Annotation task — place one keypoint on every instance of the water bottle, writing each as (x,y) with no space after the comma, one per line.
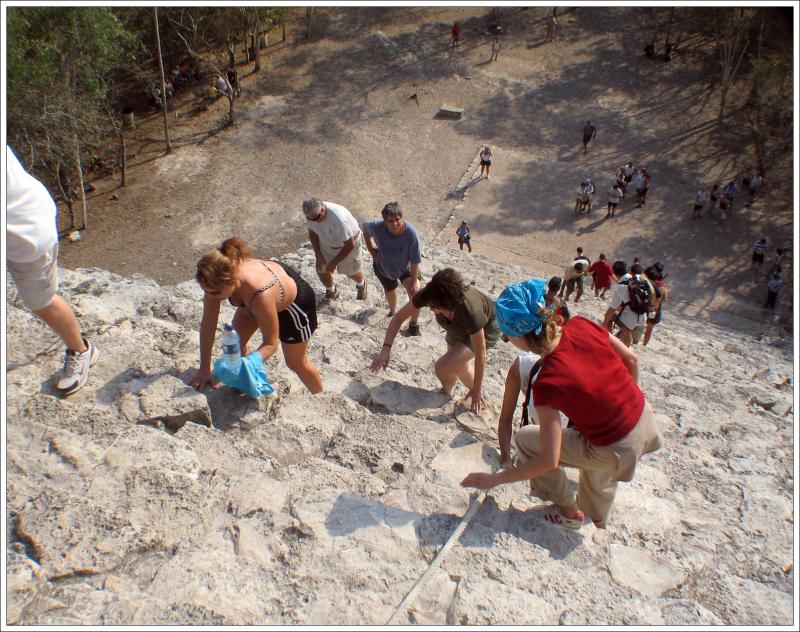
(231,350)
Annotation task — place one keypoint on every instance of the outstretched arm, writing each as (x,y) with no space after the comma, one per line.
(478,340)
(381,360)
(545,461)
(208,328)
(504,423)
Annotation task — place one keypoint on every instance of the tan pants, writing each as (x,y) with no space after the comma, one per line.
(601,467)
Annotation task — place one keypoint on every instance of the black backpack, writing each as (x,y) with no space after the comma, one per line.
(640,295)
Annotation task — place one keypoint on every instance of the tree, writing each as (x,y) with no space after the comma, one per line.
(203,32)
(59,64)
(770,102)
(732,32)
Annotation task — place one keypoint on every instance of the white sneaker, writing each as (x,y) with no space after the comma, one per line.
(76,369)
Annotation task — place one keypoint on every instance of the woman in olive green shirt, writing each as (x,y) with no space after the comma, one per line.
(467,315)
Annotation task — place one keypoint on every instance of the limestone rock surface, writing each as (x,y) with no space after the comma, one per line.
(139,501)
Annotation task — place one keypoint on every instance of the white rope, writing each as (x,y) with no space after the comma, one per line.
(471,511)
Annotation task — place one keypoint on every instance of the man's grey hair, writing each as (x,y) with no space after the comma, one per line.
(312,207)
(392,209)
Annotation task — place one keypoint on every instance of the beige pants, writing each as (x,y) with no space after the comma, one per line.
(601,467)
(37,281)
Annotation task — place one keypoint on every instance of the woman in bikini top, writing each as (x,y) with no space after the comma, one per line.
(283,316)
(275,281)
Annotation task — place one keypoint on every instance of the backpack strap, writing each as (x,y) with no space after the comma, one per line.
(528,394)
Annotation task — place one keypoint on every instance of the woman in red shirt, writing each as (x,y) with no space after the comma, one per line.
(591,377)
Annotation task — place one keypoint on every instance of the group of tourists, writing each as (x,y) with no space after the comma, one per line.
(627,176)
(773,278)
(724,197)
(638,294)
(583,373)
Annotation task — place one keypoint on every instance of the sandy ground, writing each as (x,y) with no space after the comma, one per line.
(333,117)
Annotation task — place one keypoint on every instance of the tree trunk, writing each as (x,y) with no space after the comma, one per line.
(231,112)
(163,82)
(309,15)
(256,51)
(63,184)
(231,54)
(123,159)
(79,171)
(669,28)
(283,28)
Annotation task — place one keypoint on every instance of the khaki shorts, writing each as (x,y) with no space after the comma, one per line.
(351,264)
(37,281)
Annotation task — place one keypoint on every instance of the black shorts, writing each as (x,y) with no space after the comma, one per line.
(486,163)
(758,257)
(586,138)
(463,240)
(698,207)
(298,322)
(391,284)
(612,205)
(627,179)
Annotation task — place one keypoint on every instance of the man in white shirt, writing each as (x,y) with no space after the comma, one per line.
(631,325)
(336,239)
(31,254)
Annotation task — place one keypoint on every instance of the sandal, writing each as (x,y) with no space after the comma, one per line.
(555,516)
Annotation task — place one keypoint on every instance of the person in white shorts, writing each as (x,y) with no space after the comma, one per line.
(31,255)
(336,239)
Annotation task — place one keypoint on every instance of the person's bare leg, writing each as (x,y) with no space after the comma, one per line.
(297,360)
(407,286)
(647,331)
(453,365)
(358,277)
(326,278)
(391,299)
(58,315)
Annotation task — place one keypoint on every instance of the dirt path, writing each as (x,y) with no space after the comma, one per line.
(333,118)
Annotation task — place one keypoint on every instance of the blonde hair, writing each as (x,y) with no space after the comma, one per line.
(548,338)
(218,268)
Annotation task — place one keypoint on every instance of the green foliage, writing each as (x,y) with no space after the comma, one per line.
(60,61)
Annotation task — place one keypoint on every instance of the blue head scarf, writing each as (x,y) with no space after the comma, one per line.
(518,306)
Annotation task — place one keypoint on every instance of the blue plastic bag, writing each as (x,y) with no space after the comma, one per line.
(251,379)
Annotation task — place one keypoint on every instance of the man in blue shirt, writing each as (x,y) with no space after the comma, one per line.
(395,249)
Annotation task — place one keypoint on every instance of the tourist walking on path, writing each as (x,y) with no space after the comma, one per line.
(655,274)
(602,273)
(486,161)
(464,235)
(573,276)
(456,34)
(614,195)
(269,296)
(552,27)
(641,182)
(589,132)
(336,240)
(759,250)
(773,287)
(495,48)
(629,312)
(396,255)
(467,316)
(699,203)
(32,261)
(590,377)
